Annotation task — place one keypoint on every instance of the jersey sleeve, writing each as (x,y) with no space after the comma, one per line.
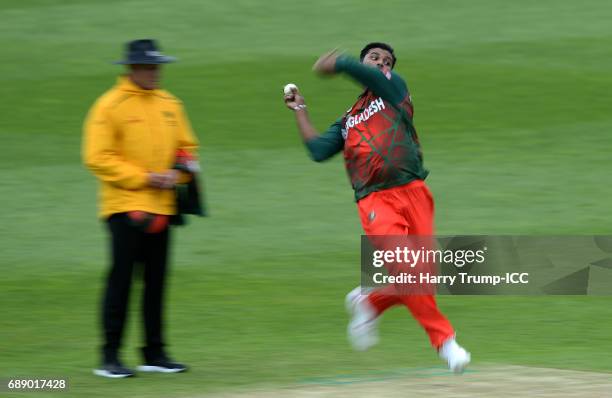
(328,143)
(392,89)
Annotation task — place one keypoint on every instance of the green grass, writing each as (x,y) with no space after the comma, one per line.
(512,107)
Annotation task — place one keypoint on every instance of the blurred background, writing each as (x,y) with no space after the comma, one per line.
(512,104)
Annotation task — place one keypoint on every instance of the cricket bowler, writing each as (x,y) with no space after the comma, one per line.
(384,162)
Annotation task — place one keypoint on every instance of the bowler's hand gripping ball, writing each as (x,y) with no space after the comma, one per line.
(290,89)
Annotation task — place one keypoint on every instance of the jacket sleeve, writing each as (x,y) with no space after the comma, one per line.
(100,154)
(327,144)
(392,88)
(187,141)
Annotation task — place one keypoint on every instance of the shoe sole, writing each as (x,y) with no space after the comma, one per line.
(106,373)
(159,369)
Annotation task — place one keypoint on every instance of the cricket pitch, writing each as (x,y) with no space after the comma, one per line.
(484,381)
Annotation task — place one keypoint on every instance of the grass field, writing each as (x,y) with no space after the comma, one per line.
(513,110)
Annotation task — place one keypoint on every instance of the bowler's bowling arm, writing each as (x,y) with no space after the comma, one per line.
(320,146)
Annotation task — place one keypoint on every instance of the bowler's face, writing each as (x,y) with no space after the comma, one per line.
(379,58)
(146,76)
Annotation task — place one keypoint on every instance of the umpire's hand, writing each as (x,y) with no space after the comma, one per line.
(165,180)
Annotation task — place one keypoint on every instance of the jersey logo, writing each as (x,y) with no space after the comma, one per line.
(375,106)
(170,120)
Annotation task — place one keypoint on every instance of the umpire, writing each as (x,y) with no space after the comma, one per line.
(135,137)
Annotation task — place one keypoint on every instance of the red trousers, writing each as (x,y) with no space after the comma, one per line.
(405,210)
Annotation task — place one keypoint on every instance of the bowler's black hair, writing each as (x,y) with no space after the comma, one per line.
(384,46)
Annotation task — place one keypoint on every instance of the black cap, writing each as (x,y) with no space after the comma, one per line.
(144,52)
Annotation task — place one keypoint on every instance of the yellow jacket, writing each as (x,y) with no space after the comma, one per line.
(128,133)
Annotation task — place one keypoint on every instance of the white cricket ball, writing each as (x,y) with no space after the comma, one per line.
(290,89)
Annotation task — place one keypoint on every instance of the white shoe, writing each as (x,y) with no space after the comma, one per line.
(363,325)
(455,356)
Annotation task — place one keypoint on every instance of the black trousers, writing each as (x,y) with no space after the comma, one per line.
(129,246)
